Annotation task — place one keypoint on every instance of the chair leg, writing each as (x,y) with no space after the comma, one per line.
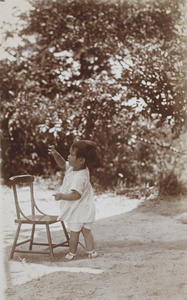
(50,242)
(15,241)
(32,237)
(65,231)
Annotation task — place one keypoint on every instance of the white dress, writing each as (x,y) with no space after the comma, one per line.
(82,210)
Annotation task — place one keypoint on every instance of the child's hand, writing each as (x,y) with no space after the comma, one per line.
(58,196)
(51,150)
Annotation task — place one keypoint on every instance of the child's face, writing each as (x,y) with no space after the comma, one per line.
(74,162)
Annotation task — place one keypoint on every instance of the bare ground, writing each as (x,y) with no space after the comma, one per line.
(142,253)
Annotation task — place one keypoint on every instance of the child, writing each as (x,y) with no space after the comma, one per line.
(76,197)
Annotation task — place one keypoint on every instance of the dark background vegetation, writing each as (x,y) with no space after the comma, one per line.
(62,85)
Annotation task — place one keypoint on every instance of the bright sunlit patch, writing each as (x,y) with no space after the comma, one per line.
(9,12)
(22,272)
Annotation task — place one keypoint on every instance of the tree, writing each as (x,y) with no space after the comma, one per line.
(63,82)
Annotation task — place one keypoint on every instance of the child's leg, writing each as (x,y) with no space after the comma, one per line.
(73,241)
(89,240)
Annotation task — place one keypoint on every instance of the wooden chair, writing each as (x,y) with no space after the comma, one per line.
(37,217)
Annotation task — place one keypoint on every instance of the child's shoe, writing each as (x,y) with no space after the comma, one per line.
(92,254)
(70,256)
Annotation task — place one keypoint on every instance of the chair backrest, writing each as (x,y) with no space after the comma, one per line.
(28,180)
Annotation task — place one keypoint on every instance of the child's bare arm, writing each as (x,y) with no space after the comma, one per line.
(74,195)
(58,158)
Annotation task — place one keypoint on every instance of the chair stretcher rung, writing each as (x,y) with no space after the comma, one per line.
(40,244)
(31,251)
(24,242)
(64,244)
(53,245)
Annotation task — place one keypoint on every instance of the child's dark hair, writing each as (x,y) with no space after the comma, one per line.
(86,149)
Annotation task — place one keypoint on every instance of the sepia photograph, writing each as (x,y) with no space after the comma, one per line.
(93,139)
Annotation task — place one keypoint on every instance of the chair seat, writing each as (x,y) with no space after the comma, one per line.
(38,219)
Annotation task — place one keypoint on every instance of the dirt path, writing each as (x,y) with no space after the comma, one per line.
(142,255)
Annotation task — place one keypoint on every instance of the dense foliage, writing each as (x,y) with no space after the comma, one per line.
(113,72)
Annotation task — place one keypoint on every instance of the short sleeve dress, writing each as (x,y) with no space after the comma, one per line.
(82,210)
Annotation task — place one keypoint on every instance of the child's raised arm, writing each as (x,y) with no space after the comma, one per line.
(58,158)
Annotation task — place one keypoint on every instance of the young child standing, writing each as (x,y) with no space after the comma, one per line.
(76,199)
